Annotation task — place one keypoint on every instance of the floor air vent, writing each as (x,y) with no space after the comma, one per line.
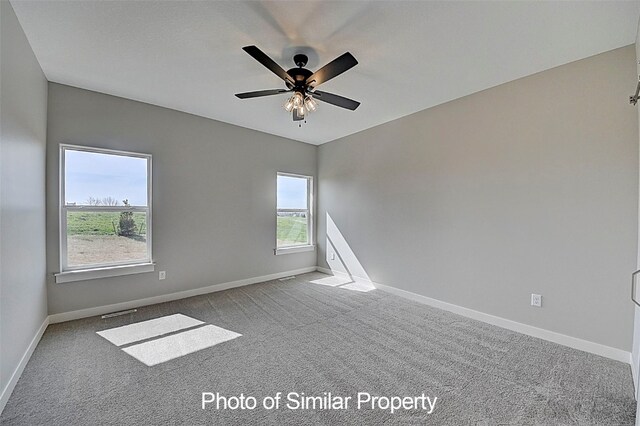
(292,277)
(117,314)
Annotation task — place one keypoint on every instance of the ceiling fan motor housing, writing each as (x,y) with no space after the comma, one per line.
(300,76)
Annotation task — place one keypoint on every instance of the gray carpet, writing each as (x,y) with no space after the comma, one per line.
(304,337)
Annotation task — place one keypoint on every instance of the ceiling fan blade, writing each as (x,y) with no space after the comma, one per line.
(332,69)
(259,93)
(297,117)
(262,57)
(336,100)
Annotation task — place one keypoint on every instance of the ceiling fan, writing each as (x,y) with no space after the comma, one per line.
(303,82)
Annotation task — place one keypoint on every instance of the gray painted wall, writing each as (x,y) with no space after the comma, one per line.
(23,106)
(214,187)
(528,187)
(636,320)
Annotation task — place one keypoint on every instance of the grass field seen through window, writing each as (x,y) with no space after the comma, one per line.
(292,230)
(101,223)
(92,239)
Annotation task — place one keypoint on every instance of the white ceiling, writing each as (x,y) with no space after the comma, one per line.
(187,55)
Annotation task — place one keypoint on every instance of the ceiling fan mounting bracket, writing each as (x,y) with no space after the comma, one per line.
(300,60)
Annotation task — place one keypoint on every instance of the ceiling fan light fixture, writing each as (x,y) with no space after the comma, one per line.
(298,100)
(288,106)
(310,104)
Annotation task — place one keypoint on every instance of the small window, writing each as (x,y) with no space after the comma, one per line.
(105,208)
(294,213)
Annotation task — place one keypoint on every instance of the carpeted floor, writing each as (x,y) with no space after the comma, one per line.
(300,336)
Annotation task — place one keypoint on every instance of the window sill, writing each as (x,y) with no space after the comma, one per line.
(109,271)
(294,249)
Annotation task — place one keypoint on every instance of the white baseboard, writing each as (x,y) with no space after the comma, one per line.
(101,310)
(551,336)
(8,389)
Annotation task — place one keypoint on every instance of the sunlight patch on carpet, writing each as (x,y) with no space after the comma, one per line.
(345,282)
(167,348)
(363,286)
(126,334)
(333,281)
(162,339)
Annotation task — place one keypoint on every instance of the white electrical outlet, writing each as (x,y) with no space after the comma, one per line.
(536,300)
(333,256)
(162,275)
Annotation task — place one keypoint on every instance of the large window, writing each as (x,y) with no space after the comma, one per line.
(105,208)
(294,215)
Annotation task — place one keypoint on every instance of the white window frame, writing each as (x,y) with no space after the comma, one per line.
(101,270)
(310,245)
